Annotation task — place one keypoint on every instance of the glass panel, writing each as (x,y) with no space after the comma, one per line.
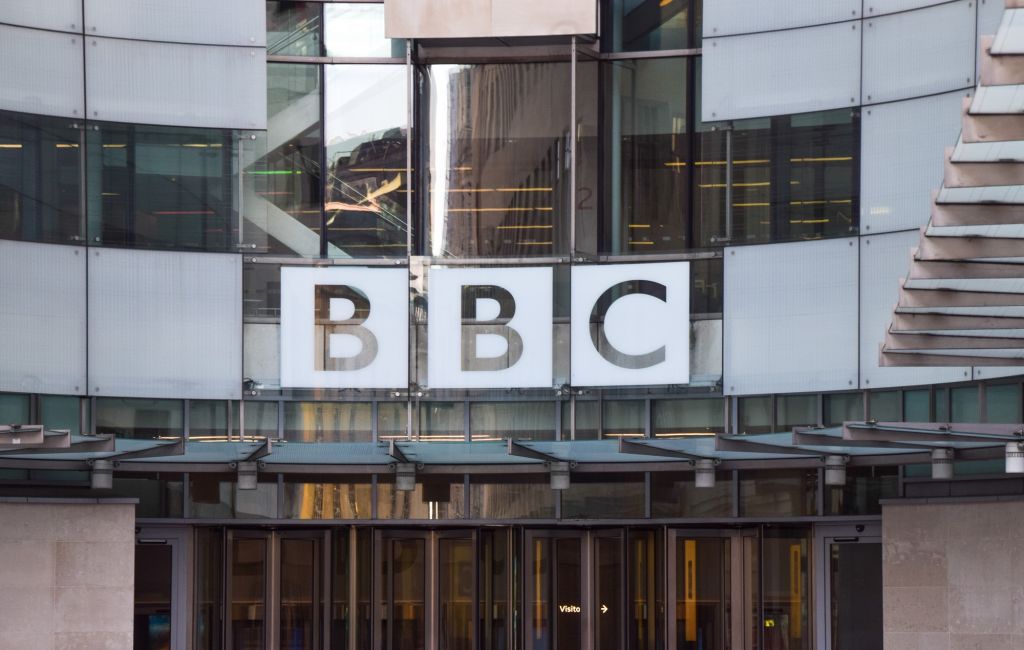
(856,608)
(755,414)
(916,405)
(964,404)
(623,419)
(885,406)
(787,595)
(340,600)
(495,585)
(607,496)
(328,500)
(209,563)
(711,175)
(942,405)
(442,421)
(139,418)
(159,495)
(796,410)
(260,419)
(392,420)
(778,493)
(640,25)
(588,420)
(328,422)
(498,180)
(795,177)
(843,407)
(248,589)
(299,606)
(510,497)
(364,585)
(517,420)
(14,409)
(60,412)
(293,28)
(673,495)
(646,606)
(153,564)
(365,128)
(680,418)
(864,487)
(568,574)
(162,187)
(213,497)
(441,500)
(208,420)
(702,583)
(648,156)
(40,179)
(357,30)
(404,579)
(456,594)
(1002,403)
(608,577)
(706,287)
(540,603)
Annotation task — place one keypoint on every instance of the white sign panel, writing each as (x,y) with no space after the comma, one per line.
(344,328)
(489,328)
(631,324)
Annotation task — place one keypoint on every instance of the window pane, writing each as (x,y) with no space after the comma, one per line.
(293,28)
(139,418)
(14,409)
(915,406)
(442,421)
(884,406)
(1002,403)
(648,157)
(423,502)
(60,412)
(260,419)
(516,420)
(588,420)
(508,497)
(498,181)
(160,496)
(213,496)
(327,500)
(786,588)
(327,422)
(706,286)
(357,30)
(40,162)
(778,493)
(794,177)
(796,410)
(162,187)
(607,496)
(676,418)
(637,25)
(843,407)
(208,420)
(964,404)
(864,487)
(674,495)
(623,419)
(755,414)
(392,420)
(365,127)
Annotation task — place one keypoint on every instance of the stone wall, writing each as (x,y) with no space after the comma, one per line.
(953,575)
(67,574)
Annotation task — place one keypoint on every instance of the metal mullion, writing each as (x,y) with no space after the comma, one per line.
(272,592)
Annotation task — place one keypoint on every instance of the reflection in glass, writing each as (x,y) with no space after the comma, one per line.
(498,175)
(856,596)
(40,179)
(248,591)
(328,422)
(293,28)
(153,574)
(641,25)
(648,156)
(327,500)
(14,408)
(495,588)
(796,410)
(755,414)
(778,492)
(917,405)
(706,286)
(623,418)
(438,501)
(209,592)
(786,589)
(1002,403)
(260,419)
(681,418)
(365,128)
(516,420)
(403,625)
(442,421)
(863,488)
(299,606)
(884,406)
(139,418)
(160,495)
(456,593)
(208,420)
(646,590)
(606,496)
(588,419)
(340,616)
(963,404)
(162,187)
(510,497)
(702,583)
(843,407)
(59,412)
(357,30)
(674,495)
(608,590)
(212,497)
(392,420)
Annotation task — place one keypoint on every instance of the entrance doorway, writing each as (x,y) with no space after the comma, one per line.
(849,572)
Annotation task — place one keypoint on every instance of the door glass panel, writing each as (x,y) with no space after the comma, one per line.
(856,608)
(494,589)
(339,591)
(568,594)
(702,593)
(539,588)
(298,607)
(403,626)
(786,590)
(645,590)
(248,582)
(153,596)
(456,602)
(608,576)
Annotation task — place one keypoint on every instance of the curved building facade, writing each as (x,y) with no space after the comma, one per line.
(489,325)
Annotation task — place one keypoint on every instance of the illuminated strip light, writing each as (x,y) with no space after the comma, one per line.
(822,202)
(639,225)
(353,229)
(500,209)
(62,145)
(275,193)
(641,243)
(549,227)
(716,185)
(272,172)
(182,212)
(114,146)
(809,220)
(535,243)
(504,189)
(374,245)
(750,205)
(707,163)
(109,194)
(10,146)
(822,159)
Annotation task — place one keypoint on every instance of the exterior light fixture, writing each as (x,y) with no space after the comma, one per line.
(405,477)
(942,464)
(1015,458)
(835,470)
(704,473)
(559,475)
(102,475)
(247,475)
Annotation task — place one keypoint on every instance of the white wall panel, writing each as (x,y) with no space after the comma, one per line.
(217,22)
(165,324)
(902,149)
(60,15)
(920,52)
(42,318)
(880,7)
(884,260)
(41,72)
(178,85)
(725,17)
(791,71)
(790,317)
(990,14)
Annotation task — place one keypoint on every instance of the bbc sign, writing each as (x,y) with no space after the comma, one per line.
(348,327)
